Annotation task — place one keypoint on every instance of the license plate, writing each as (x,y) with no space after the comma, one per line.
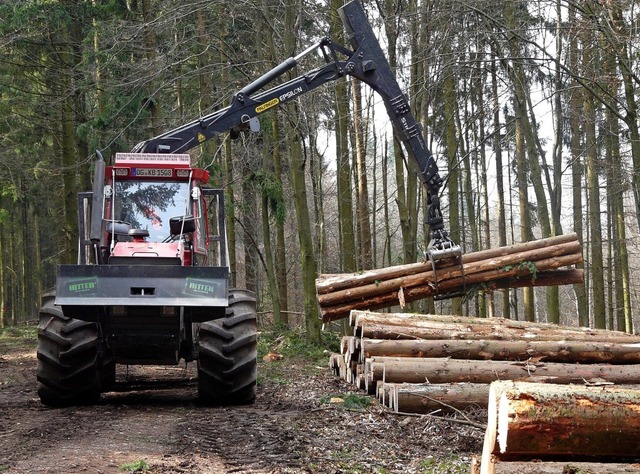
(159,172)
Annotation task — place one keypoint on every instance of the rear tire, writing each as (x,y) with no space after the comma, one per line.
(68,362)
(227,354)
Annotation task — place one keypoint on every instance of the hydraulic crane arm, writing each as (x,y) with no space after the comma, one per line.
(365,61)
(248,103)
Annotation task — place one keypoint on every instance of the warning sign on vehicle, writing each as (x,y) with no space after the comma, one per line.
(153,158)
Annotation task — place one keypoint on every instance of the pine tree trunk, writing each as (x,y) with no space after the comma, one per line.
(451,147)
(497,132)
(346,231)
(576,163)
(593,196)
(364,224)
(386,256)
(631,119)
(229,197)
(4,261)
(523,171)
(299,191)
(281,250)
(249,234)
(69,178)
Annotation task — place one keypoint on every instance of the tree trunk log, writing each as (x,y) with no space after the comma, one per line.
(530,264)
(438,370)
(382,285)
(330,283)
(430,398)
(356,319)
(547,351)
(433,330)
(539,467)
(547,421)
(455,282)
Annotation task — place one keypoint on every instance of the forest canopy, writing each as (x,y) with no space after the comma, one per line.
(530,107)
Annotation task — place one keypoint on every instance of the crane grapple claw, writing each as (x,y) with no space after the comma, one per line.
(449,250)
(440,251)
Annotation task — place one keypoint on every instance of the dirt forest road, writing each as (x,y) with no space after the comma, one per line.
(152,423)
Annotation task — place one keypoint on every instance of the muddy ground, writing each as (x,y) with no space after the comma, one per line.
(152,423)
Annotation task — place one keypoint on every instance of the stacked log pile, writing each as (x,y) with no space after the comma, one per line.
(429,363)
(536,263)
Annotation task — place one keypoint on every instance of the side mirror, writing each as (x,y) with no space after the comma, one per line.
(182,225)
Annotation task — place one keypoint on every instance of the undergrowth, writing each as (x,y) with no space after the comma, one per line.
(19,337)
(295,345)
(348,401)
(19,332)
(137,466)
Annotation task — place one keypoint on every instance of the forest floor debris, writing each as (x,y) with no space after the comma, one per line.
(152,423)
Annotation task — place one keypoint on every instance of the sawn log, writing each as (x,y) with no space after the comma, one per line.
(483,349)
(439,370)
(548,421)
(530,264)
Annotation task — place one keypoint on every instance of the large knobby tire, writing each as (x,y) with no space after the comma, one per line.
(68,362)
(227,354)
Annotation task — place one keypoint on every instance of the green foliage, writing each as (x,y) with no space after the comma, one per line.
(271,187)
(350,401)
(527,266)
(18,332)
(216,171)
(135,466)
(450,465)
(294,345)
(21,337)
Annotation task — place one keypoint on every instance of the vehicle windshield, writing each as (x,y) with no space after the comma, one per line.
(149,205)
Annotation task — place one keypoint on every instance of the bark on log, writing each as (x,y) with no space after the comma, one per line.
(528,264)
(411,319)
(547,421)
(434,330)
(454,282)
(563,276)
(438,370)
(382,285)
(538,467)
(555,467)
(329,283)
(547,351)
(430,398)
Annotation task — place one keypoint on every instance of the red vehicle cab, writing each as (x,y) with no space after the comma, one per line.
(154,210)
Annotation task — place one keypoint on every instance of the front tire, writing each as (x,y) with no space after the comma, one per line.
(68,363)
(227,354)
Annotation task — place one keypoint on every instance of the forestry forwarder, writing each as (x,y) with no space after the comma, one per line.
(152,281)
